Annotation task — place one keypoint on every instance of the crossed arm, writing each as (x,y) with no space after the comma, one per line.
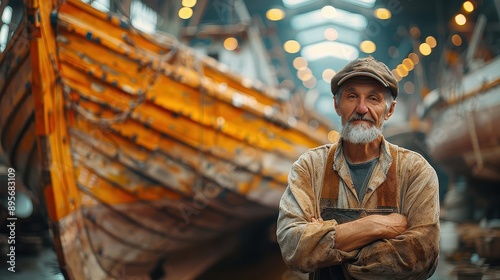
(375,245)
(356,234)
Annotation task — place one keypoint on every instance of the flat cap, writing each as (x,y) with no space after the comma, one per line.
(367,67)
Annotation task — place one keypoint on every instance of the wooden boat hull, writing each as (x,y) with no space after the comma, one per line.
(149,156)
(408,136)
(464,138)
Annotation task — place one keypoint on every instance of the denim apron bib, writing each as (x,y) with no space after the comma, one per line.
(386,203)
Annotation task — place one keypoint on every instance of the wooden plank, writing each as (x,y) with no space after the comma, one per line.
(167,170)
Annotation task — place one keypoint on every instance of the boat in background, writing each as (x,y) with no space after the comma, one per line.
(147,157)
(409,135)
(463,139)
(412,135)
(463,113)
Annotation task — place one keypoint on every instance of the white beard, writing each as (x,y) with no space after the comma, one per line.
(361,133)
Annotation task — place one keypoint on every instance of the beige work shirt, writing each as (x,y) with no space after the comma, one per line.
(307,246)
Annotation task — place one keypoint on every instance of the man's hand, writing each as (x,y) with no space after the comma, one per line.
(394,224)
(316,220)
(356,234)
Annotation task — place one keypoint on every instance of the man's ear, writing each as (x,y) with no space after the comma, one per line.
(391,110)
(336,106)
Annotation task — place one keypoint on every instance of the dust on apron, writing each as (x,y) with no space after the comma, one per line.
(386,204)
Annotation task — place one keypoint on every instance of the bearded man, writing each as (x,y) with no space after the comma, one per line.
(361,208)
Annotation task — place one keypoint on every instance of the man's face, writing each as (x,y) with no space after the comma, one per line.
(362,108)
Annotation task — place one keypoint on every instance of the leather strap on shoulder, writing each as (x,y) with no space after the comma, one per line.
(331,181)
(387,194)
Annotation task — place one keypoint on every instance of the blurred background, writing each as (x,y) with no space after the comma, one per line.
(444,53)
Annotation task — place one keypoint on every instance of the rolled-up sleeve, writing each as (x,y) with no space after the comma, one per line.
(413,254)
(305,246)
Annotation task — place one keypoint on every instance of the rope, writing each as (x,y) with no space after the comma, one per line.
(453,92)
(474,140)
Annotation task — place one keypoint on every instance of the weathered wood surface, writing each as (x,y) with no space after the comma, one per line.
(465,137)
(147,155)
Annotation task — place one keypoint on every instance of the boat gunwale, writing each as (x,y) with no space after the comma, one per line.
(212,125)
(228,100)
(276,117)
(440,102)
(265,90)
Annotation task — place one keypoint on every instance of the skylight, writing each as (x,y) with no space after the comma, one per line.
(4,30)
(317,34)
(297,3)
(342,17)
(362,3)
(7,15)
(329,49)
(101,5)
(143,17)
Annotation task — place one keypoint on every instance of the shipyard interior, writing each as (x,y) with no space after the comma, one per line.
(148,139)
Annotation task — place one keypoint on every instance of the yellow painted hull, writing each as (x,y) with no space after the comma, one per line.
(147,155)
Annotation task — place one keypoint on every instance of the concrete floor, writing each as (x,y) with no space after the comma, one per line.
(38,263)
(42,265)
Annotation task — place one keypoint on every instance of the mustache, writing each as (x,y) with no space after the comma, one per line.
(358,117)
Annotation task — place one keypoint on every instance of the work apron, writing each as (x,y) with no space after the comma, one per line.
(386,204)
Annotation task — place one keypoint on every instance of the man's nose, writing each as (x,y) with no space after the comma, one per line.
(361,107)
